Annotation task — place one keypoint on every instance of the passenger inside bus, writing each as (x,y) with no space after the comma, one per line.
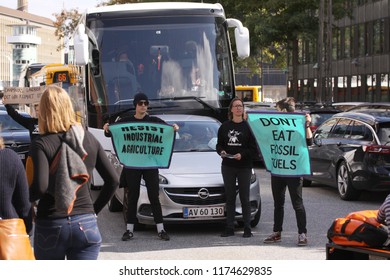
(120,77)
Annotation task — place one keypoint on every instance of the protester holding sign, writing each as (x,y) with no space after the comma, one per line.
(294,185)
(131,177)
(237,147)
(29,123)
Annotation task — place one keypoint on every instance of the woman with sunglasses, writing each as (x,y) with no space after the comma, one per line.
(131,178)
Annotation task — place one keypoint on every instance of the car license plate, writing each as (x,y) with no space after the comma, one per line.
(22,156)
(199,212)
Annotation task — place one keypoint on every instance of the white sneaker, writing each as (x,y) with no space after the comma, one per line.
(302,239)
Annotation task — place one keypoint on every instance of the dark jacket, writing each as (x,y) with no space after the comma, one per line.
(30,123)
(14,201)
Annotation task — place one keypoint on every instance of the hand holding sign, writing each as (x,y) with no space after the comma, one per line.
(282,141)
(142,144)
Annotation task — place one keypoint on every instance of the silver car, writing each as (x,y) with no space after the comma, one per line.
(191,189)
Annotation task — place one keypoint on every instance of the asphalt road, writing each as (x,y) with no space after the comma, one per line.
(202,241)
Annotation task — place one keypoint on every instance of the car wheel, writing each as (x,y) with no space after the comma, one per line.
(306,183)
(344,184)
(256,219)
(114,205)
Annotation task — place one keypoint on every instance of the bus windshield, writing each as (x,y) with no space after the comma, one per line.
(162,57)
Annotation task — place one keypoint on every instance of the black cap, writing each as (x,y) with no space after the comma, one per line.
(138,97)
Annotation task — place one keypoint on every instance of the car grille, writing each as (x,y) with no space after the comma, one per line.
(18,148)
(191,196)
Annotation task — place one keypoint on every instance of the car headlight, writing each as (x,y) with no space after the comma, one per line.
(253,177)
(162,180)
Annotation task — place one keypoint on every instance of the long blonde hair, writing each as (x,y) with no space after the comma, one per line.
(1,143)
(56,112)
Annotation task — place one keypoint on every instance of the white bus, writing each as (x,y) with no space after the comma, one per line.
(179,54)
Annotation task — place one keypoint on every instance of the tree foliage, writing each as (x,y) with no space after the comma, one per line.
(65,24)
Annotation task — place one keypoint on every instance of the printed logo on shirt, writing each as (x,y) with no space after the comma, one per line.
(36,129)
(233,138)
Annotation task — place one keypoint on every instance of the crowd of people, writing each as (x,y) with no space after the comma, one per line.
(64,154)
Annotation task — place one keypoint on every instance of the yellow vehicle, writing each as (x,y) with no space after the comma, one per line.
(250,93)
(55,73)
(68,76)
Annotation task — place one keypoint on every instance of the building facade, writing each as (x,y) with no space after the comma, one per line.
(25,39)
(354,61)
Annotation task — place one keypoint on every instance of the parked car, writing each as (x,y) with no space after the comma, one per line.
(319,112)
(370,106)
(345,106)
(16,137)
(191,189)
(351,151)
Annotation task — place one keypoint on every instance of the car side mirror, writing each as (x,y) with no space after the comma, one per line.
(317,141)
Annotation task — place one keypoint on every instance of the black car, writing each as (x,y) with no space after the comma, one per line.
(370,106)
(15,136)
(351,151)
(319,112)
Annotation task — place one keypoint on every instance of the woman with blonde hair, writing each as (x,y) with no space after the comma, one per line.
(64,158)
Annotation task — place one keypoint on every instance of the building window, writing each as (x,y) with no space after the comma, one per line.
(378,36)
(362,50)
(347,42)
(336,45)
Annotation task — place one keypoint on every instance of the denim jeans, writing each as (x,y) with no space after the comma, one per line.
(74,238)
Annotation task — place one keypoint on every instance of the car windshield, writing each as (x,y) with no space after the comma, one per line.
(384,133)
(194,136)
(319,118)
(7,123)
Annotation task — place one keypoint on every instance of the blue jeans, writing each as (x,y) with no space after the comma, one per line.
(74,238)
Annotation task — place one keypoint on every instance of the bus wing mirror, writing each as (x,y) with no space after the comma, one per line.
(241,35)
(81,45)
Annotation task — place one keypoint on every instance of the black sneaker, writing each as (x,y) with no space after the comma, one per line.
(247,233)
(228,232)
(163,235)
(127,235)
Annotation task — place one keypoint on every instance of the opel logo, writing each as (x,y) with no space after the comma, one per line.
(14,145)
(203,193)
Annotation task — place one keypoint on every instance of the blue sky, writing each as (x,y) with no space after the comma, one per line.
(46,8)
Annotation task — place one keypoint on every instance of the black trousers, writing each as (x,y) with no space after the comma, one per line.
(132,179)
(242,176)
(294,185)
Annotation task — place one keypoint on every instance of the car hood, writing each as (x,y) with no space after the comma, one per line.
(194,163)
(195,167)
(15,136)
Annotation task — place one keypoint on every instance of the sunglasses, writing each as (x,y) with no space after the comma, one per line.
(140,103)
